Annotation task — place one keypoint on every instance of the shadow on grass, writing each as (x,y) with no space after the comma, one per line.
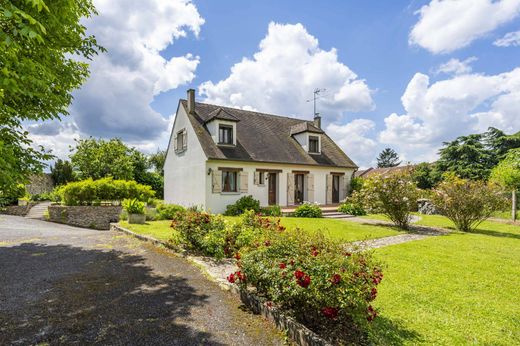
(67,295)
(496,233)
(388,332)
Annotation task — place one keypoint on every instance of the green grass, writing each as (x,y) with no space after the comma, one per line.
(160,230)
(461,288)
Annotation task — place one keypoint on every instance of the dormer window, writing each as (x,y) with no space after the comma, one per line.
(314,144)
(225,134)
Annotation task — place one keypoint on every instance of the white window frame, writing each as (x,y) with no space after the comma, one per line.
(309,144)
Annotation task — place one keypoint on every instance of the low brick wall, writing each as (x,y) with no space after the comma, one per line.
(17,210)
(96,217)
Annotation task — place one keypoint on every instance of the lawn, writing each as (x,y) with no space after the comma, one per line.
(461,288)
(338,229)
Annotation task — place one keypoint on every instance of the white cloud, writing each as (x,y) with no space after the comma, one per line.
(447,25)
(456,66)
(354,139)
(452,107)
(115,101)
(509,39)
(281,76)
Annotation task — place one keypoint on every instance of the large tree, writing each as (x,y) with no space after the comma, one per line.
(507,174)
(43,47)
(388,158)
(62,172)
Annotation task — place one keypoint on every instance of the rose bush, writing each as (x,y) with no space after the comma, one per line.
(313,278)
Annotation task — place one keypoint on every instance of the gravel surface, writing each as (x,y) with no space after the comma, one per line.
(68,285)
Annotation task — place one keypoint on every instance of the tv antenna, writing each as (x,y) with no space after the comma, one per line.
(316,96)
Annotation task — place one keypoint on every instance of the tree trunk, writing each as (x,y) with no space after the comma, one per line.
(513,209)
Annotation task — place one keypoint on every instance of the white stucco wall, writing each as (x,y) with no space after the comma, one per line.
(217,202)
(185,173)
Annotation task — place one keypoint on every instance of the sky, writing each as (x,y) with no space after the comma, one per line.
(408,75)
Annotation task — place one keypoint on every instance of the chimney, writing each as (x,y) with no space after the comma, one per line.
(317,120)
(191,101)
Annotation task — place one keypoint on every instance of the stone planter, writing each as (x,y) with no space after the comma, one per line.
(96,217)
(137,218)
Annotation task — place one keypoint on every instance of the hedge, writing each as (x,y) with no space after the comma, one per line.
(91,192)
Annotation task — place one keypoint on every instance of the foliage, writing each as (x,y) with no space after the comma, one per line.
(352,209)
(313,278)
(425,176)
(168,211)
(11,197)
(272,210)
(90,191)
(394,195)
(157,161)
(134,206)
(356,184)
(62,172)
(507,172)
(154,180)
(308,210)
(44,48)
(242,205)
(467,202)
(388,158)
(46,196)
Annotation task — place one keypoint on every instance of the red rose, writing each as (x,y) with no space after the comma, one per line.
(336,278)
(231,278)
(371,313)
(314,253)
(237,256)
(283,266)
(299,274)
(329,312)
(373,293)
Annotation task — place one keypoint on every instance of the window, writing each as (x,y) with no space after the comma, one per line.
(229,181)
(260,178)
(181,142)
(225,134)
(314,144)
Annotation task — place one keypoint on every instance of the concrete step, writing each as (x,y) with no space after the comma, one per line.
(38,211)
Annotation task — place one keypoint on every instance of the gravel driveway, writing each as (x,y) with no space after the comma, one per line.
(67,285)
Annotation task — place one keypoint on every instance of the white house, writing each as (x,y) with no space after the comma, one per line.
(218,154)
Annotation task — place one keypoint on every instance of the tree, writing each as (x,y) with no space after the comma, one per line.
(507,174)
(44,47)
(388,158)
(157,161)
(424,176)
(466,202)
(62,172)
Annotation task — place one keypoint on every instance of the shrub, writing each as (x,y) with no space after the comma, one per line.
(352,209)
(314,279)
(88,192)
(467,203)
(272,210)
(46,196)
(308,210)
(11,197)
(356,184)
(243,204)
(133,206)
(393,195)
(168,211)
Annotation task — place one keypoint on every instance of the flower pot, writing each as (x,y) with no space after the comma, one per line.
(136,218)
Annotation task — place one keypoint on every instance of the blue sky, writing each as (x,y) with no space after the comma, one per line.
(386,55)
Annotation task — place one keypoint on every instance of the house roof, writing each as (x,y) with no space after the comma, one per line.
(383,171)
(221,114)
(263,138)
(304,126)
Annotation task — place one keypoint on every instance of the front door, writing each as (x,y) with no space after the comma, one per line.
(335,189)
(298,188)
(272,188)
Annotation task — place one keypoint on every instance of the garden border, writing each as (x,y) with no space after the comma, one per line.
(300,334)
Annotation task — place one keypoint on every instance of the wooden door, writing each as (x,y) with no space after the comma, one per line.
(335,189)
(298,188)
(272,188)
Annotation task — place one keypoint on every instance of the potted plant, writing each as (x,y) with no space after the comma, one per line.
(135,210)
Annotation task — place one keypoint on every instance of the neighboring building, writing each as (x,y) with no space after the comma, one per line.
(382,171)
(218,154)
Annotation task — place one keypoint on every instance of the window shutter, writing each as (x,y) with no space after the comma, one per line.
(243,182)
(184,140)
(310,188)
(216,181)
(329,189)
(290,188)
(342,188)
(175,143)
(257,178)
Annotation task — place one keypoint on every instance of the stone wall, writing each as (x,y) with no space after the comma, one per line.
(97,217)
(40,183)
(17,210)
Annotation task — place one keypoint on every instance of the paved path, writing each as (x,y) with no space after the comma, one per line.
(67,285)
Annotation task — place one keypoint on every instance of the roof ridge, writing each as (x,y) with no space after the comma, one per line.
(250,111)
